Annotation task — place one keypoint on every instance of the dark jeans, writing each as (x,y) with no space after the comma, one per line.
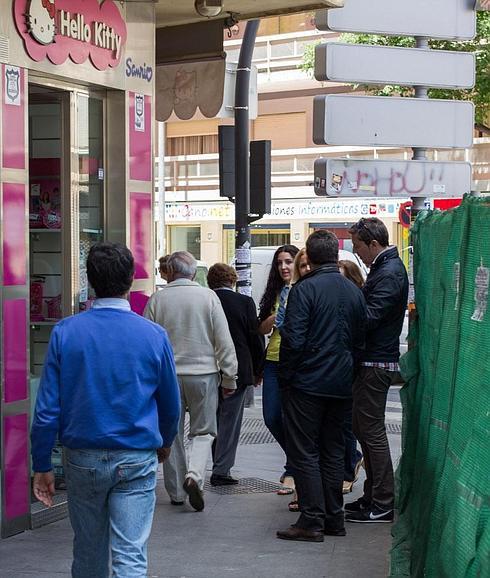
(272,407)
(370,391)
(352,454)
(315,440)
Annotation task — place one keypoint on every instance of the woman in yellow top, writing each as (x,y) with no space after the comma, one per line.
(280,276)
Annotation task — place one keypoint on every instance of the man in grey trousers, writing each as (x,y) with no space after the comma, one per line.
(205,359)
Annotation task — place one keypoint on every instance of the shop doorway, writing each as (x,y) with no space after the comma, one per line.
(66,217)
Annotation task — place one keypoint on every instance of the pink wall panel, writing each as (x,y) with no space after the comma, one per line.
(138,301)
(140,123)
(140,237)
(16,435)
(15,349)
(14,234)
(13,109)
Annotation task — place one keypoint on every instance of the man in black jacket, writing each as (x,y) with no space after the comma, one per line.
(241,315)
(320,341)
(386,293)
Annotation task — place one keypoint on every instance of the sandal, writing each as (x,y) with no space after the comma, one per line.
(293,506)
(287,486)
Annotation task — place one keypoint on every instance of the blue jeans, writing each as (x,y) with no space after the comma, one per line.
(111,499)
(272,407)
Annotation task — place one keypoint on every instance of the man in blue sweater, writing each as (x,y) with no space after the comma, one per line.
(109,391)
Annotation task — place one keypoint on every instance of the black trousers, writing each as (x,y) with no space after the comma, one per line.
(370,391)
(315,448)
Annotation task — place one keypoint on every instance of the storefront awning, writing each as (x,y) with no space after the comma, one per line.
(190,70)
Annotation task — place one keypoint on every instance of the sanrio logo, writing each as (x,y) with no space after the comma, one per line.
(40,18)
(75,29)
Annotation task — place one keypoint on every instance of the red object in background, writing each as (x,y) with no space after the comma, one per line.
(405,214)
(445,204)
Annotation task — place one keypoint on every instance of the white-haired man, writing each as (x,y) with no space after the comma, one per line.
(205,358)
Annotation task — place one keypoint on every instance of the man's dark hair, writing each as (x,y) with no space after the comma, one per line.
(371,229)
(110,269)
(322,247)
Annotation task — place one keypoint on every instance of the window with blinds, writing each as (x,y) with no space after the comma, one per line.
(192,145)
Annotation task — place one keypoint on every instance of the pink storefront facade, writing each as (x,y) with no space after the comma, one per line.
(76,150)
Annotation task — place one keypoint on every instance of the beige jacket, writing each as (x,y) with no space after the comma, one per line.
(197,328)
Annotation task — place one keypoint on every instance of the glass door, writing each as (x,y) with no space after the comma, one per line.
(91,177)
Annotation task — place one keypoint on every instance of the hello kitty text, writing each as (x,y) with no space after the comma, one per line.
(100,34)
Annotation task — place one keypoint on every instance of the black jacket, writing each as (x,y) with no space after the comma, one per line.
(249,344)
(322,334)
(386,293)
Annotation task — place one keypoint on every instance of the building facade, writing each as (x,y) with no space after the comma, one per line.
(76,167)
(199,220)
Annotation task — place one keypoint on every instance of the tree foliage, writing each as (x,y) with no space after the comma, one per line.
(480,46)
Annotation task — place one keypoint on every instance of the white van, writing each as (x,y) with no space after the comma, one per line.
(262,261)
(201,275)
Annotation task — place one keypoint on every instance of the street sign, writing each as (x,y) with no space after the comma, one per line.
(227,109)
(336,177)
(391,121)
(368,64)
(451,19)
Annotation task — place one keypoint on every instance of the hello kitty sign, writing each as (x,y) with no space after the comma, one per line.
(75,29)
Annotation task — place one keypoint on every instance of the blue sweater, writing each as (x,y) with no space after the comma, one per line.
(108,382)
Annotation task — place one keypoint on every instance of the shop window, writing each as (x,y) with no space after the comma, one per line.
(261,237)
(341,230)
(183,238)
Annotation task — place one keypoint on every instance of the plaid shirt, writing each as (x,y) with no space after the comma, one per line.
(386,365)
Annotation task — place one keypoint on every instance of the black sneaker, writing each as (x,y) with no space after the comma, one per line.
(370,516)
(357,506)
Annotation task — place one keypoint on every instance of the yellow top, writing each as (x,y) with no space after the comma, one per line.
(274,341)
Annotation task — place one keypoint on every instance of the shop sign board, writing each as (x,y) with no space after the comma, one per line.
(336,177)
(62,29)
(447,19)
(367,64)
(285,211)
(392,121)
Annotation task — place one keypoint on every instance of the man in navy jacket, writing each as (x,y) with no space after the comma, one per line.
(109,391)
(321,339)
(386,293)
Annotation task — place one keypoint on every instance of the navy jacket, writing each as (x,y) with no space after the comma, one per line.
(386,293)
(322,334)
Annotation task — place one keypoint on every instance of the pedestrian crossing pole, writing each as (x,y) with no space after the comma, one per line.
(242,165)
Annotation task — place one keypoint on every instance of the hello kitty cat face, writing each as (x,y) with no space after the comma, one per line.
(40,18)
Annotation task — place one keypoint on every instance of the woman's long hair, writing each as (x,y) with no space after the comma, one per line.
(274,283)
(352,272)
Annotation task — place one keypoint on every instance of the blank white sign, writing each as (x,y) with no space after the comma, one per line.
(452,19)
(368,64)
(392,121)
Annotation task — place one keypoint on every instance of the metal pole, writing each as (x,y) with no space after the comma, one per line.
(418,203)
(418,152)
(242,164)
(161,190)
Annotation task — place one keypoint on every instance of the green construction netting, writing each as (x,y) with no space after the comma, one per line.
(443,479)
